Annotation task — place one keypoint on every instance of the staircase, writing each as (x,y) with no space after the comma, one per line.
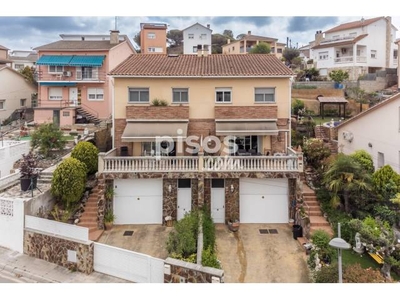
(317,221)
(89,116)
(45,177)
(320,133)
(89,216)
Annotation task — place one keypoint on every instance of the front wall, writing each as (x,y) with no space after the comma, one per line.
(43,116)
(380,128)
(202,93)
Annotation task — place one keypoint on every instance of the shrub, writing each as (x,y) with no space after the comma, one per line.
(297,105)
(356,274)
(86,153)
(47,137)
(191,258)
(209,259)
(315,152)
(328,274)
(364,159)
(159,102)
(208,229)
(68,182)
(338,76)
(386,214)
(386,182)
(320,240)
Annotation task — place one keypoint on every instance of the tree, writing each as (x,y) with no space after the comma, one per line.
(378,238)
(68,182)
(364,159)
(344,176)
(86,153)
(175,37)
(217,41)
(386,182)
(359,95)
(297,105)
(136,38)
(47,137)
(289,54)
(228,34)
(315,152)
(339,76)
(240,36)
(261,48)
(28,73)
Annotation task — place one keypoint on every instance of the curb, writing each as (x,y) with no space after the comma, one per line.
(22,273)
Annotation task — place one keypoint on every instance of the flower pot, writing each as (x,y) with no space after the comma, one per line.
(28,183)
(108,225)
(170,223)
(233,226)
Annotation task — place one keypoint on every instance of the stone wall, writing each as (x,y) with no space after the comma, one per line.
(195,196)
(170,199)
(371,86)
(55,250)
(103,139)
(157,112)
(185,272)
(101,201)
(314,93)
(207,192)
(232,203)
(246,112)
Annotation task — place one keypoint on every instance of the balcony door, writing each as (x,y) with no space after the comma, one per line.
(73,96)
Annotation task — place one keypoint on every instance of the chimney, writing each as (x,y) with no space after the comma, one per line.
(249,32)
(228,41)
(208,26)
(114,37)
(319,36)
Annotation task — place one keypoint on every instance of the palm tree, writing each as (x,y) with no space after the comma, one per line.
(344,176)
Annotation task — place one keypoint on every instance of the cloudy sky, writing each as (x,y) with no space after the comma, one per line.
(31,27)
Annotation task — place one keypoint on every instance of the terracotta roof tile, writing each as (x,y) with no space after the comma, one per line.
(354,24)
(78,45)
(234,65)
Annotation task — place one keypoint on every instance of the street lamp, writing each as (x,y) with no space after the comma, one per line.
(339,244)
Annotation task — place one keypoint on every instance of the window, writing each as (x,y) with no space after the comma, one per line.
(191,36)
(180,95)
(95,94)
(139,95)
(2,104)
(203,36)
(373,53)
(22,102)
(19,66)
(323,55)
(395,53)
(151,35)
(194,49)
(153,148)
(264,95)
(56,69)
(279,50)
(223,95)
(65,113)
(55,93)
(155,49)
(272,49)
(381,160)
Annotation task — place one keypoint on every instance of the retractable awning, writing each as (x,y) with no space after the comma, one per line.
(58,83)
(87,60)
(54,60)
(147,131)
(247,127)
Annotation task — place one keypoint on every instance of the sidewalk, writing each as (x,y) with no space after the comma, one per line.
(21,266)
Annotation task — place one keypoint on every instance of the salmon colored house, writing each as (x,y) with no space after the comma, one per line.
(153,38)
(72,77)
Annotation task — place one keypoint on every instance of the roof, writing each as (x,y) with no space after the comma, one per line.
(2,68)
(341,42)
(257,37)
(5,61)
(371,109)
(332,100)
(234,65)
(66,45)
(197,23)
(153,25)
(3,48)
(354,24)
(30,57)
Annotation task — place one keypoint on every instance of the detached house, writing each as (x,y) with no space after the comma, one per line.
(153,38)
(72,77)
(223,140)
(358,47)
(197,37)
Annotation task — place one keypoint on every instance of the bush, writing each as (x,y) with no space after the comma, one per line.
(209,259)
(47,137)
(320,240)
(386,214)
(338,76)
(208,229)
(364,159)
(356,274)
(297,105)
(386,182)
(69,180)
(86,153)
(328,274)
(191,258)
(315,152)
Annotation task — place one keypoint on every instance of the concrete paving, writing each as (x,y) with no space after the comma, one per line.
(248,256)
(147,239)
(23,268)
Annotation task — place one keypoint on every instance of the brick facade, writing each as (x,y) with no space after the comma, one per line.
(157,112)
(246,112)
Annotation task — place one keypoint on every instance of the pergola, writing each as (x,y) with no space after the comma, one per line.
(332,100)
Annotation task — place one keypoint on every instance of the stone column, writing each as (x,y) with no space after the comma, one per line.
(101,202)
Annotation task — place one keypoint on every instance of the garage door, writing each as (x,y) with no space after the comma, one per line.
(264,200)
(138,201)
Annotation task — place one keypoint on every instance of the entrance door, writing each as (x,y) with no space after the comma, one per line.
(218,200)
(56,118)
(184,197)
(73,96)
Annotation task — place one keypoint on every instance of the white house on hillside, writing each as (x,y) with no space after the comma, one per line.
(377,131)
(358,47)
(22,58)
(197,37)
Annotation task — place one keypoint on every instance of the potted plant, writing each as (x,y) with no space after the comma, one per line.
(29,172)
(233,222)
(109,219)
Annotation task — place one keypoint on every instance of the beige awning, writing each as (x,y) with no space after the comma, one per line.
(240,128)
(147,131)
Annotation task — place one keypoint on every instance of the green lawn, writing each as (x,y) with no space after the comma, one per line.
(65,138)
(320,121)
(349,257)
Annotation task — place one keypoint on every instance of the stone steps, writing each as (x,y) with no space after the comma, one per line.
(316,213)
(324,228)
(319,221)
(89,216)
(312,203)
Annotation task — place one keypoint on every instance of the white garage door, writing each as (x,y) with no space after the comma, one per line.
(138,201)
(264,200)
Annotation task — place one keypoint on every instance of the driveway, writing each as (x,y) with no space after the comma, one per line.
(147,239)
(248,256)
